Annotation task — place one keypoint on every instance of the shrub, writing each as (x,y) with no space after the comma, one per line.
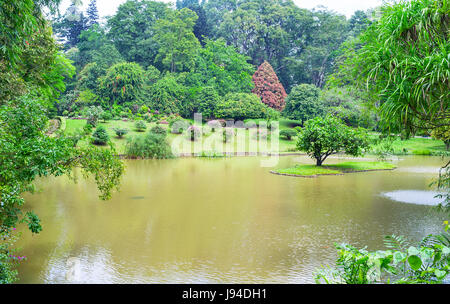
(93,114)
(227,134)
(159,130)
(241,106)
(120,132)
(260,134)
(65,113)
(100,136)
(140,126)
(288,134)
(150,145)
(179,125)
(194,133)
(87,129)
(106,116)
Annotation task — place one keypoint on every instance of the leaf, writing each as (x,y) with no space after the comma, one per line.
(413,251)
(399,257)
(415,262)
(440,274)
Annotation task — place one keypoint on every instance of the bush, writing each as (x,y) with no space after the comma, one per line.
(87,129)
(194,133)
(179,125)
(100,136)
(65,113)
(150,145)
(106,116)
(227,134)
(159,130)
(93,114)
(120,132)
(260,134)
(140,126)
(288,134)
(241,106)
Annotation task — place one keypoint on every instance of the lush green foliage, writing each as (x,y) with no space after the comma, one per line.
(151,145)
(241,106)
(100,136)
(323,137)
(122,83)
(402,264)
(403,61)
(288,133)
(303,103)
(140,126)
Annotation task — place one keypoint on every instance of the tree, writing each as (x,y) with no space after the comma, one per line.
(303,103)
(268,87)
(34,74)
(205,102)
(71,24)
(132,30)
(442,133)
(123,83)
(404,65)
(222,67)
(322,137)
(178,45)
(167,96)
(92,13)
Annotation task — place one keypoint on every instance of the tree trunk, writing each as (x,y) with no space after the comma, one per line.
(319,162)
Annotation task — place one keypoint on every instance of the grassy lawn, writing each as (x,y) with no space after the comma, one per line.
(418,146)
(243,142)
(347,167)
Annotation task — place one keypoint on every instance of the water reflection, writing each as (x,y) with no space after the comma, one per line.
(216,221)
(428,198)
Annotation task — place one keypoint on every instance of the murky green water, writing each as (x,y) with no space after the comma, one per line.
(218,221)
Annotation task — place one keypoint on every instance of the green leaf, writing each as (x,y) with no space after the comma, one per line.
(399,257)
(440,274)
(413,251)
(415,262)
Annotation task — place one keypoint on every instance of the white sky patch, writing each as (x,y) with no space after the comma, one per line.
(345,7)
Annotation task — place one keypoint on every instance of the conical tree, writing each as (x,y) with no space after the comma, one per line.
(92,13)
(268,87)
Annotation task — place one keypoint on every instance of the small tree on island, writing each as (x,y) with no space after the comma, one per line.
(268,87)
(323,137)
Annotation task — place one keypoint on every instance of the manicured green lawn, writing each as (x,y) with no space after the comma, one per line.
(346,167)
(245,136)
(424,146)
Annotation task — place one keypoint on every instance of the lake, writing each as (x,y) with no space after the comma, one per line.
(227,220)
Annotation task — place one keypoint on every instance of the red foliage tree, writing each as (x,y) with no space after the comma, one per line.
(268,87)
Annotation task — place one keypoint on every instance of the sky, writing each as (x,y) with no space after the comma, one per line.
(346,7)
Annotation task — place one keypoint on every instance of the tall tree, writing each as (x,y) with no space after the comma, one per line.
(92,13)
(268,87)
(71,24)
(132,30)
(178,45)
